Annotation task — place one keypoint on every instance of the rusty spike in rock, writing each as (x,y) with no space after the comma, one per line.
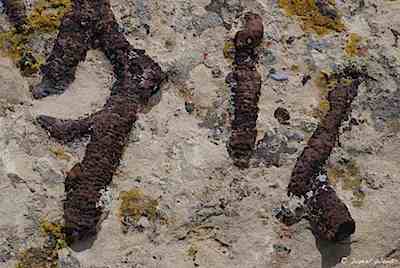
(16,12)
(138,77)
(328,214)
(246,89)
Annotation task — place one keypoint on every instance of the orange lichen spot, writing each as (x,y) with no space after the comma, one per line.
(320,17)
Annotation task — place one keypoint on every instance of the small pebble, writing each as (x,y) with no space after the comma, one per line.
(280,76)
(189,107)
(282,115)
(322,178)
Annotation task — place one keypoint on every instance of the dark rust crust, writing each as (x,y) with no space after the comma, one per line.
(60,67)
(252,34)
(16,12)
(328,215)
(246,89)
(323,140)
(92,24)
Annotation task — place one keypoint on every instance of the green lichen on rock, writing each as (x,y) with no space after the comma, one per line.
(135,204)
(45,18)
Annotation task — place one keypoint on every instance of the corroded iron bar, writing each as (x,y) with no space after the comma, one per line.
(138,77)
(246,88)
(328,215)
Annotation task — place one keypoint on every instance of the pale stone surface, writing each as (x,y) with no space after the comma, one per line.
(13,88)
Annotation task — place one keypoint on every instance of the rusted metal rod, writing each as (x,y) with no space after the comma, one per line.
(328,215)
(246,87)
(92,24)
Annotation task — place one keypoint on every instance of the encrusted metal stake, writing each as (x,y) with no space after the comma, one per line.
(327,214)
(246,86)
(91,24)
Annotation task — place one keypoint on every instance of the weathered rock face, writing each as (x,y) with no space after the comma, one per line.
(196,207)
(13,89)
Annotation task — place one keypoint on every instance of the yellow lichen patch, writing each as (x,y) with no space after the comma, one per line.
(295,68)
(47,14)
(135,204)
(38,258)
(394,126)
(322,109)
(324,106)
(333,175)
(46,17)
(47,255)
(55,231)
(315,18)
(229,50)
(349,174)
(352,45)
(358,198)
(351,183)
(59,153)
(325,82)
(192,251)
(12,44)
